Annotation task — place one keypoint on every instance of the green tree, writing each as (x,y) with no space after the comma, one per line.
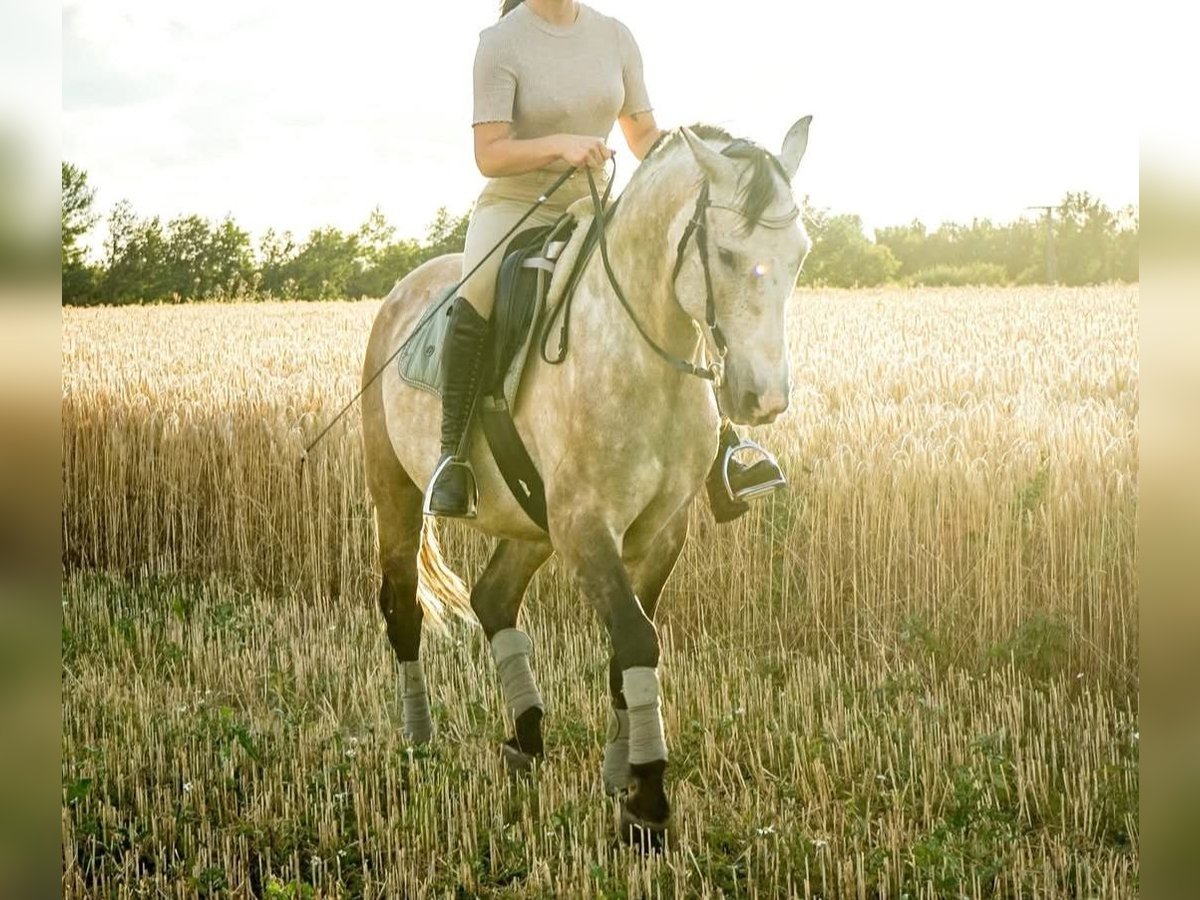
(1126,256)
(382,260)
(1085,240)
(325,265)
(136,267)
(842,256)
(275,254)
(207,260)
(78,217)
(446,234)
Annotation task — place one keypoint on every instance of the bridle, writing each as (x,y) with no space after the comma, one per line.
(697,227)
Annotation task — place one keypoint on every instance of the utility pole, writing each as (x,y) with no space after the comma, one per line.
(1051,261)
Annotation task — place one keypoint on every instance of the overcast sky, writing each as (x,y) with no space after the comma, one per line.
(298,115)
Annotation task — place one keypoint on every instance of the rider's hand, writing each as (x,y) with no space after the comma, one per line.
(580,150)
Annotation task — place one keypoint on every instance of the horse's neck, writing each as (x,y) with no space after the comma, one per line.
(642,258)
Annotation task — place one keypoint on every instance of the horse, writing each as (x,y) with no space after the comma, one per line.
(622,440)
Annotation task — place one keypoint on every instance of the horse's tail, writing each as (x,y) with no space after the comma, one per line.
(439,589)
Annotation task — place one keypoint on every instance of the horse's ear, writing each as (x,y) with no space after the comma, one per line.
(794,146)
(715,166)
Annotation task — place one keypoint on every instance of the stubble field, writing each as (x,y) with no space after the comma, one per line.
(913,673)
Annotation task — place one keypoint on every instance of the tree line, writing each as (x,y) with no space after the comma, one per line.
(144,259)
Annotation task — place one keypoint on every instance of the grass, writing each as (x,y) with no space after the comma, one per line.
(913,674)
(218,739)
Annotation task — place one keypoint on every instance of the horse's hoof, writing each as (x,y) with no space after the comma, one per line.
(647,836)
(516,761)
(418,738)
(616,788)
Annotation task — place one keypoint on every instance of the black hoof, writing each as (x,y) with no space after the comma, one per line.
(516,761)
(644,835)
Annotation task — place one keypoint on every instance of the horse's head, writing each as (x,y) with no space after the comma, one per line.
(756,244)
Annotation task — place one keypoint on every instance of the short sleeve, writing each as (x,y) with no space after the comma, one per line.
(636,98)
(495,83)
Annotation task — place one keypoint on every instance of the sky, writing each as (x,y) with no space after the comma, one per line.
(295,115)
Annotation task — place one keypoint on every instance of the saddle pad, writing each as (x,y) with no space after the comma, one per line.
(419,362)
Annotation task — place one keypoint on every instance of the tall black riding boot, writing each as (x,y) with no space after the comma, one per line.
(725,505)
(452,492)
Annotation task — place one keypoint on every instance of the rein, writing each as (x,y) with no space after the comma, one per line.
(563,307)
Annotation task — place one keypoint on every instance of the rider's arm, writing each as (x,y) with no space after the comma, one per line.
(636,115)
(498,153)
(641,131)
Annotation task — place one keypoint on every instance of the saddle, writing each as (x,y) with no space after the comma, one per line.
(540,269)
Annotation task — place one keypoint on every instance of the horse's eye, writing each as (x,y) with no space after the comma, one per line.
(726,256)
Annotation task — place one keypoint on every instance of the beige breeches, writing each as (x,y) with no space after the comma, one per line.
(501,203)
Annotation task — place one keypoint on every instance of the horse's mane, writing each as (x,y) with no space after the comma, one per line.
(757,190)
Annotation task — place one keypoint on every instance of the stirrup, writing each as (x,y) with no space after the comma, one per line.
(752,490)
(473,497)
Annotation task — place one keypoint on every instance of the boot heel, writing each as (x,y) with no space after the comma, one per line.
(452,491)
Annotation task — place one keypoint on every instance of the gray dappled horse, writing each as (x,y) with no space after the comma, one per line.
(622,440)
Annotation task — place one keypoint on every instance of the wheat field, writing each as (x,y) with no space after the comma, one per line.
(912,674)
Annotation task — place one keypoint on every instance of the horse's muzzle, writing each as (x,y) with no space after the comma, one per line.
(747,407)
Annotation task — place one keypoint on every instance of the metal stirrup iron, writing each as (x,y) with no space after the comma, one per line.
(472,501)
(754,490)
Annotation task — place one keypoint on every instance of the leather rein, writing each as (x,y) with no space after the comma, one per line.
(697,228)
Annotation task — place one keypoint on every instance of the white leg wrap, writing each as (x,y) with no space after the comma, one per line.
(510,649)
(616,752)
(418,724)
(647,743)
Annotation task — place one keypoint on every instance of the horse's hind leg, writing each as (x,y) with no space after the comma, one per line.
(648,576)
(398,527)
(496,599)
(398,519)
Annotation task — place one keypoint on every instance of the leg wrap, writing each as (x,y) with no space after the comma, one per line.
(418,724)
(510,649)
(616,752)
(646,740)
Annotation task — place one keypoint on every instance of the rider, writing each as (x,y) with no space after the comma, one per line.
(550,78)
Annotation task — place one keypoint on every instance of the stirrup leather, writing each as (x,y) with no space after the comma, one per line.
(752,490)
(473,496)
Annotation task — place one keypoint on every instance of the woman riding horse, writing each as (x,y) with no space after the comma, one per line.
(623,429)
(550,78)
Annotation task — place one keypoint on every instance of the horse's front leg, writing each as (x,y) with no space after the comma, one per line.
(590,550)
(649,576)
(496,600)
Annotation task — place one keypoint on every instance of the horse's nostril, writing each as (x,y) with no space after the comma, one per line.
(749,401)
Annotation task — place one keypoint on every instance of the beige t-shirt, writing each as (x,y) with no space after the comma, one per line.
(547,78)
